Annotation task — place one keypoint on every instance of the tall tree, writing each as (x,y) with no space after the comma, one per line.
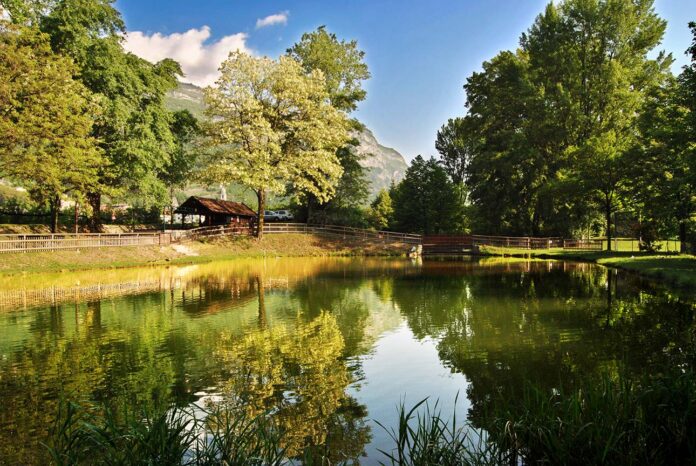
(45,121)
(566,101)
(342,63)
(134,127)
(456,142)
(182,159)
(344,68)
(665,187)
(425,200)
(274,127)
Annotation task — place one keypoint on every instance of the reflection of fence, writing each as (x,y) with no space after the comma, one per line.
(54,242)
(57,295)
(341,231)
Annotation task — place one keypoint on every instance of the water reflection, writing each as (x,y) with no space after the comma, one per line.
(326,345)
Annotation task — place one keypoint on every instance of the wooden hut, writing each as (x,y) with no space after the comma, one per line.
(213,212)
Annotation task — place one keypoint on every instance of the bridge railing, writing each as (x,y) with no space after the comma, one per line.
(342,231)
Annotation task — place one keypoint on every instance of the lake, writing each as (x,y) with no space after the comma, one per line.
(328,345)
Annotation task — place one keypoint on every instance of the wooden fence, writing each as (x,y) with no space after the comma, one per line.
(210,232)
(431,243)
(55,242)
(341,231)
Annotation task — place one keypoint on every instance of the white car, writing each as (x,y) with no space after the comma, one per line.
(284,215)
(271,216)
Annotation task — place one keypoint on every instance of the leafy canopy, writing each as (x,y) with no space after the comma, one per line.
(274,127)
(45,120)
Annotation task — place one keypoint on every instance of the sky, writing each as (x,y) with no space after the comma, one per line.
(419,52)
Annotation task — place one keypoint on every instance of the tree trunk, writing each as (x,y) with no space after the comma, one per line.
(682,237)
(77,218)
(95,220)
(55,208)
(261,197)
(607,212)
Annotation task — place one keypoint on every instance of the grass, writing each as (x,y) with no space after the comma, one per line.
(612,422)
(677,269)
(429,439)
(178,436)
(194,252)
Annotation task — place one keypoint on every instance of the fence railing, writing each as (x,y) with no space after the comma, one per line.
(214,231)
(341,231)
(55,242)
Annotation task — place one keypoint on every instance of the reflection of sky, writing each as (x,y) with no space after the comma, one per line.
(403,368)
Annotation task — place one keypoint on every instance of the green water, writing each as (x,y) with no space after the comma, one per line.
(329,345)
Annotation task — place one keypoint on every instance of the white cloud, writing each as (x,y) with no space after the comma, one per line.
(272,20)
(199,58)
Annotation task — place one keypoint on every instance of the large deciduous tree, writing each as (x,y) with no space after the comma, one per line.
(665,185)
(344,68)
(556,119)
(273,126)
(133,128)
(45,121)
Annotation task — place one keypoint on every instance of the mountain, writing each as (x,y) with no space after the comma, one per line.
(383,164)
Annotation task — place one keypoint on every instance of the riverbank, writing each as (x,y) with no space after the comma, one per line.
(195,252)
(676,269)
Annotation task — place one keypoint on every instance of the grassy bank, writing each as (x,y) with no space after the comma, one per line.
(193,252)
(677,269)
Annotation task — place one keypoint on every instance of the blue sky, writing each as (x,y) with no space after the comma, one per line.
(419,53)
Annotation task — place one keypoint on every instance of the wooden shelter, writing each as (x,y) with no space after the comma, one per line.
(213,212)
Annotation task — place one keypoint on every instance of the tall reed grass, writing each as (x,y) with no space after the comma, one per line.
(652,422)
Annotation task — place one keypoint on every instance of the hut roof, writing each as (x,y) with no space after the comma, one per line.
(202,205)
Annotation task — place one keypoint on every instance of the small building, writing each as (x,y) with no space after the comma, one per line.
(217,212)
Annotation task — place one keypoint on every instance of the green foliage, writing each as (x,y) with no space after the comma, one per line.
(429,439)
(426,200)
(553,125)
(344,69)
(83,435)
(133,128)
(614,422)
(347,206)
(381,211)
(272,127)
(182,159)
(456,144)
(341,62)
(45,142)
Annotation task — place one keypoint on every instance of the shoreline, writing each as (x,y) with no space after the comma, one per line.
(674,269)
(195,252)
